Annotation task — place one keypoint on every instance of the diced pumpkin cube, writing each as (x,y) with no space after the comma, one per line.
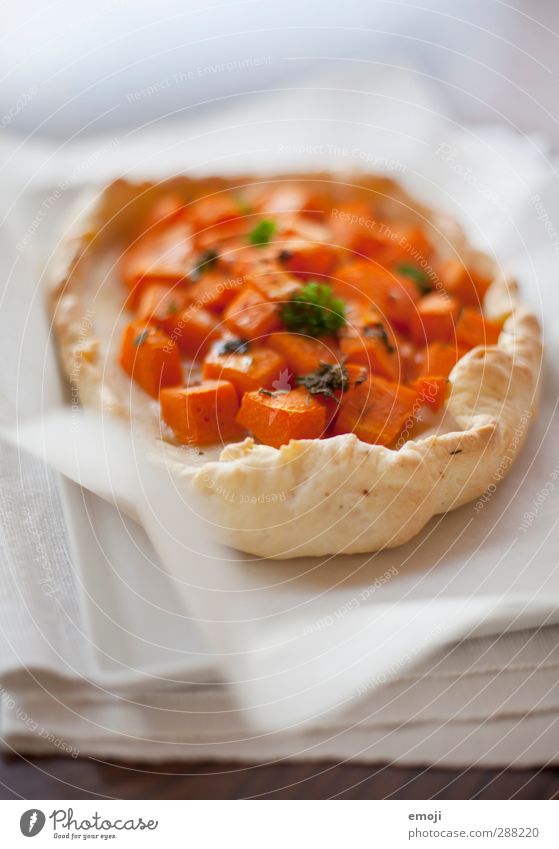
(202,413)
(354,228)
(435,319)
(431,390)
(248,370)
(302,353)
(373,346)
(251,315)
(159,303)
(309,259)
(438,359)
(392,295)
(376,411)
(273,283)
(163,252)
(473,329)
(150,357)
(194,329)
(165,208)
(215,290)
(213,209)
(275,418)
(467,285)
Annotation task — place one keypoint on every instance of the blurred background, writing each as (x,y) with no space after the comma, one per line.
(71,67)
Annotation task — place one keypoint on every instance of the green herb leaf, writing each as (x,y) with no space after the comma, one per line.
(233,346)
(419,277)
(326,380)
(263,232)
(313,310)
(141,338)
(205,262)
(377,330)
(172,309)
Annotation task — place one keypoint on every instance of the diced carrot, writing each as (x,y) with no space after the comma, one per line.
(163,252)
(303,354)
(215,290)
(309,259)
(431,390)
(194,329)
(202,414)
(150,357)
(159,303)
(278,417)
(467,285)
(251,315)
(435,319)
(393,296)
(438,359)
(376,411)
(257,367)
(473,329)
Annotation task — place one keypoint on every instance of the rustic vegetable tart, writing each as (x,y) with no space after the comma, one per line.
(327,361)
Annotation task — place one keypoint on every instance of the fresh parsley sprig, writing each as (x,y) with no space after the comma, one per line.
(313,310)
(419,277)
(263,232)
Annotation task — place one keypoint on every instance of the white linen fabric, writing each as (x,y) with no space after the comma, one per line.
(125,688)
(491,701)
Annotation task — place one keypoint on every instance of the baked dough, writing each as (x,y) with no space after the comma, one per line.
(311,497)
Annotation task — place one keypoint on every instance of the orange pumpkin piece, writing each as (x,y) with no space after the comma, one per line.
(213,209)
(165,208)
(435,319)
(250,315)
(438,359)
(414,244)
(372,345)
(431,390)
(353,227)
(194,329)
(202,413)
(473,329)
(309,259)
(150,357)
(376,411)
(273,283)
(248,370)
(276,418)
(163,252)
(394,297)
(467,285)
(158,303)
(215,290)
(303,354)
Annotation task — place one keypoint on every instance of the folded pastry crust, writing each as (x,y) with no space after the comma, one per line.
(310,497)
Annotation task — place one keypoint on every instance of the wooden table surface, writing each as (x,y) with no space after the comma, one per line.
(64,778)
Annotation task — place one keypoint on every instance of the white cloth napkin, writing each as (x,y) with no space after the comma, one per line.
(492,701)
(488,701)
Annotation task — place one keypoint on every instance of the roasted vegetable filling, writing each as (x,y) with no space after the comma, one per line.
(294,310)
